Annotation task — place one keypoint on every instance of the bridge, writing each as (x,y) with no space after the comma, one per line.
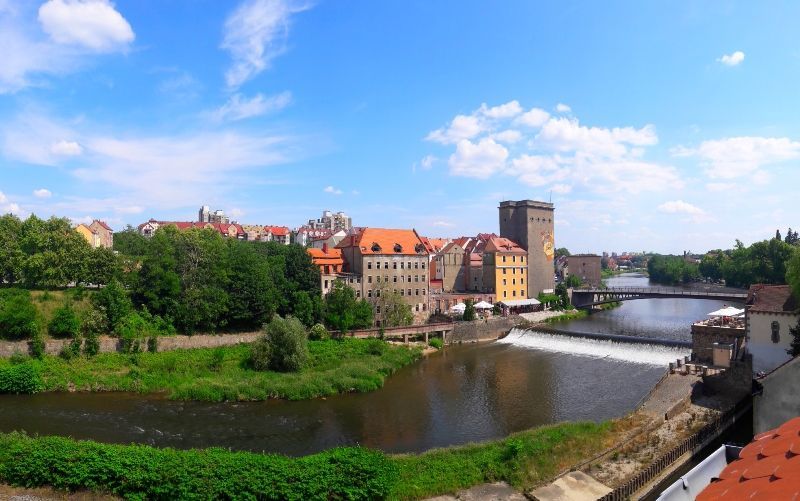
(440,329)
(588,297)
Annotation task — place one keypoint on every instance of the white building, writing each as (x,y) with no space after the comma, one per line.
(770,312)
(331,221)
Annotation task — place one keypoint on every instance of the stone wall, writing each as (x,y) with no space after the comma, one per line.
(779,399)
(482,330)
(736,381)
(111,344)
(704,337)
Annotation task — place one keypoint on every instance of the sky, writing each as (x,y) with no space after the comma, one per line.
(661,126)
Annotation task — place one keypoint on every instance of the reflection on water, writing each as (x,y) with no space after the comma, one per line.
(468,393)
(655,318)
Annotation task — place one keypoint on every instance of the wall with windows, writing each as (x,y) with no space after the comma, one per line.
(508,273)
(769,338)
(405,274)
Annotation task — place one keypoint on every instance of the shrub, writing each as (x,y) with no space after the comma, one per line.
(93,324)
(37,346)
(72,349)
(18,316)
(282,348)
(133,330)
(469,311)
(152,344)
(217,358)
(20,379)
(318,333)
(64,323)
(376,346)
(436,343)
(113,300)
(18,358)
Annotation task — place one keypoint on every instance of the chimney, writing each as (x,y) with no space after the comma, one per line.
(325,247)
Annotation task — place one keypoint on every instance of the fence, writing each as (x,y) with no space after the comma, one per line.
(691,444)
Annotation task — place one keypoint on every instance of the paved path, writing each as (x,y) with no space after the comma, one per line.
(499,491)
(574,486)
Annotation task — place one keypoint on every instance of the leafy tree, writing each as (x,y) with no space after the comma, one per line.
(11,255)
(282,348)
(65,323)
(307,309)
(792,238)
(563,293)
(394,310)
(102,266)
(794,347)
(672,270)
(573,281)
(130,243)
(343,311)
(318,333)
(158,285)
(562,251)
(18,316)
(793,273)
(252,293)
(93,324)
(113,300)
(469,311)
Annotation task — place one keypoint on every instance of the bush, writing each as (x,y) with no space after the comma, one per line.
(152,344)
(318,333)
(376,347)
(18,316)
(73,349)
(436,343)
(113,300)
(20,379)
(142,472)
(65,323)
(18,358)
(469,311)
(37,346)
(282,348)
(217,358)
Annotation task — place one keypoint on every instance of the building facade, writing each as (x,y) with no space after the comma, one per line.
(531,224)
(389,259)
(331,221)
(98,234)
(449,268)
(505,269)
(587,267)
(770,311)
(205,215)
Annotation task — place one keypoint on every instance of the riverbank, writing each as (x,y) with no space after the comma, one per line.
(223,373)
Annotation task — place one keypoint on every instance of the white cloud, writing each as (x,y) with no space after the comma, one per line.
(507,110)
(443,224)
(731,59)
(563,108)
(735,157)
(92,24)
(427,162)
(7,206)
(255,34)
(561,189)
(565,134)
(42,193)
(718,187)
(535,117)
(508,136)
(66,148)
(239,108)
(479,160)
(462,127)
(680,207)
(332,190)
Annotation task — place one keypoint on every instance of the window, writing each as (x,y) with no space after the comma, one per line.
(369,279)
(326,284)
(409,292)
(377,293)
(416,278)
(423,265)
(327,270)
(521,293)
(513,259)
(522,258)
(522,281)
(514,271)
(513,281)
(369,292)
(416,292)
(423,292)
(386,265)
(417,306)
(776,331)
(504,271)
(514,293)
(504,281)
(398,248)
(358,294)
(378,308)
(394,279)
(424,307)
(504,259)
(504,293)
(394,265)
(402,292)
(402,265)
(369,265)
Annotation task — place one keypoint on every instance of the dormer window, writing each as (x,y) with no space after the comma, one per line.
(398,248)
(376,247)
(419,248)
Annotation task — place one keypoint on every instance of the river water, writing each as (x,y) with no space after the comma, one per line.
(466,394)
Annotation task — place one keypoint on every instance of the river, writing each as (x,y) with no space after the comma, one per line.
(466,394)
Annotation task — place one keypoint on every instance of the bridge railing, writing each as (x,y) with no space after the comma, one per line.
(660,291)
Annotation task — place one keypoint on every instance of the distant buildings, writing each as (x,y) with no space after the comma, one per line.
(205,215)
(587,267)
(98,234)
(331,221)
(219,222)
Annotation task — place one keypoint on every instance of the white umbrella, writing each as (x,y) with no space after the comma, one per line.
(728,311)
(458,308)
(483,305)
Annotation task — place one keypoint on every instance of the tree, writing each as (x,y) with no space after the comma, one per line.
(252,293)
(18,316)
(393,308)
(794,347)
(113,300)
(563,293)
(793,273)
(282,348)
(343,312)
(778,235)
(562,251)
(792,238)
(11,255)
(130,243)
(102,267)
(573,281)
(65,323)
(469,311)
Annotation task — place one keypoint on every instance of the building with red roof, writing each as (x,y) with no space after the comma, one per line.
(97,233)
(770,312)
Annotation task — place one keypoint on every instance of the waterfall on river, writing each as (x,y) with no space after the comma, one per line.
(639,353)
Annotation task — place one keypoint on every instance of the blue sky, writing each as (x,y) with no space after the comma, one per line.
(662,127)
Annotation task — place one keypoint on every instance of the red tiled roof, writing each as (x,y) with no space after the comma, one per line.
(320,257)
(280,231)
(385,241)
(768,468)
(103,224)
(503,245)
(771,299)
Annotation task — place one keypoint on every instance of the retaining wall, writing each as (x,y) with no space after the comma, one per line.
(482,330)
(111,344)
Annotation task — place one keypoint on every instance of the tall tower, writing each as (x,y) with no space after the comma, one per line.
(203,215)
(530,224)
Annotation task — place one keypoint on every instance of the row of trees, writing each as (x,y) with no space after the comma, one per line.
(672,270)
(762,262)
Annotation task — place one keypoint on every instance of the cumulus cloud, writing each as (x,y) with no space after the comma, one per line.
(7,206)
(508,136)
(427,162)
(479,160)
(239,107)
(92,24)
(736,157)
(42,193)
(255,34)
(680,207)
(507,110)
(535,117)
(733,59)
(332,190)
(563,108)
(461,127)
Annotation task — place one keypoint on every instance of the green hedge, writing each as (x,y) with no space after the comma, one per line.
(21,378)
(142,472)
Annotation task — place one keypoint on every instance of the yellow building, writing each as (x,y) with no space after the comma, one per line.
(505,269)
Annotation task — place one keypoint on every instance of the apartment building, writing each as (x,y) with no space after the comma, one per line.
(505,269)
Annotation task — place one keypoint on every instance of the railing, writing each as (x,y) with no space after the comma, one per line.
(710,431)
(660,291)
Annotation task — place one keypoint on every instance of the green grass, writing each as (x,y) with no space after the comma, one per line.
(567,315)
(47,302)
(524,460)
(217,374)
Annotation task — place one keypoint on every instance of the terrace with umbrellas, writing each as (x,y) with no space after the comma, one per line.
(720,338)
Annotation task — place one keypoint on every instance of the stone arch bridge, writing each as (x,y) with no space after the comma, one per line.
(586,298)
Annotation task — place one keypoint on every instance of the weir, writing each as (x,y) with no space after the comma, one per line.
(622,348)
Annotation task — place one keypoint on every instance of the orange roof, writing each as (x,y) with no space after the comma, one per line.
(320,257)
(434,245)
(503,245)
(385,241)
(768,468)
(280,231)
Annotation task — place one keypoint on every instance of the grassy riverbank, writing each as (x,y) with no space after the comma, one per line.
(140,472)
(216,374)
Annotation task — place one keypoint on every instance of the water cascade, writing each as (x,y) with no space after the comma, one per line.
(598,347)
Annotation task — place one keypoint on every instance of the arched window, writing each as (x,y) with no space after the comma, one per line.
(398,248)
(376,247)
(776,332)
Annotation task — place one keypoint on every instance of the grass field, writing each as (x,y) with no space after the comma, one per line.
(217,374)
